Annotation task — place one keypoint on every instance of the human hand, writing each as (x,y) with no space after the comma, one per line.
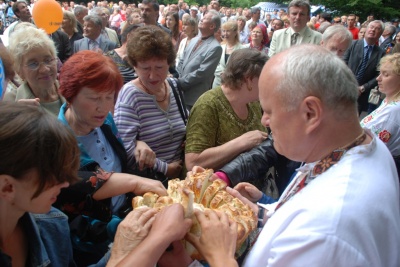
(145,157)
(249,191)
(253,138)
(32,102)
(217,243)
(194,170)
(174,169)
(144,185)
(361,90)
(177,257)
(131,231)
(170,223)
(236,194)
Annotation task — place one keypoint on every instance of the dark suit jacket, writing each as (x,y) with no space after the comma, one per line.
(196,70)
(384,45)
(63,46)
(353,58)
(83,44)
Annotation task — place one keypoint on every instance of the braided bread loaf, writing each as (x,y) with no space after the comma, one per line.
(198,192)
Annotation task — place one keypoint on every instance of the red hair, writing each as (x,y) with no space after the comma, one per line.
(89,69)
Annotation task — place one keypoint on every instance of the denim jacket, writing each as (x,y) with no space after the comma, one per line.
(48,240)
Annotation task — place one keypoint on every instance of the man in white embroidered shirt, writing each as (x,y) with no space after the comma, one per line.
(342,206)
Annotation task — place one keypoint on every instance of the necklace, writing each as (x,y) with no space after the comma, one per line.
(147,91)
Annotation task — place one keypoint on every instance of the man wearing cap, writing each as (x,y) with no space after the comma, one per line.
(194,13)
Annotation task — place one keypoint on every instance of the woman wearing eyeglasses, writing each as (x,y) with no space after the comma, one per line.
(35,61)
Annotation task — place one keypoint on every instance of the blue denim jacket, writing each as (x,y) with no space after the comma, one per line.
(48,240)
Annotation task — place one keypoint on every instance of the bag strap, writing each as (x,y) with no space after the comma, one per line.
(177,91)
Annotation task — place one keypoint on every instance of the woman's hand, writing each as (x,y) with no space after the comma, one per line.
(253,138)
(249,191)
(174,169)
(144,185)
(145,157)
(217,243)
(33,102)
(131,231)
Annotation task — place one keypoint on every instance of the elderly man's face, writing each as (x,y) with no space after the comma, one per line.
(286,135)
(336,45)
(91,30)
(374,31)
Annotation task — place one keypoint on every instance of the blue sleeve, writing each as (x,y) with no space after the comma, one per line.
(266,199)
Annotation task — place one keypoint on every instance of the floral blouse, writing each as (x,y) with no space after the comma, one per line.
(384,122)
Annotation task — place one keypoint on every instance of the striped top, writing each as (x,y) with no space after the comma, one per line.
(139,117)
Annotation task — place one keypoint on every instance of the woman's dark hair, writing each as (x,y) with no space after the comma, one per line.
(31,139)
(243,64)
(149,42)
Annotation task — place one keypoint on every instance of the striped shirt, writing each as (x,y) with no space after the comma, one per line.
(139,117)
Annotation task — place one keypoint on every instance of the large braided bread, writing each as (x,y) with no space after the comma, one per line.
(198,192)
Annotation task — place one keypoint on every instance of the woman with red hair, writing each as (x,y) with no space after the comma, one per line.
(259,39)
(90,83)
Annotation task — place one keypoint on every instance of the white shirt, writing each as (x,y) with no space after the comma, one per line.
(384,122)
(347,216)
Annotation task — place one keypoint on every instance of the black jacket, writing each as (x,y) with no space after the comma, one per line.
(63,46)
(253,165)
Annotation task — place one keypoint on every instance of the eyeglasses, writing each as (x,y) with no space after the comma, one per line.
(48,62)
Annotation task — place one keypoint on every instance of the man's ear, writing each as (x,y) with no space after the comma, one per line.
(312,111)
(7,188)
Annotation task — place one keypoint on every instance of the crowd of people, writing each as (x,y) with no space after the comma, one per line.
(298,115)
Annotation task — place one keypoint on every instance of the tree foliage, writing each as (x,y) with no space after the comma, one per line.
(381,9)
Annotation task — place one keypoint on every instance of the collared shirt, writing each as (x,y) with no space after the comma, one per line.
(300,36)
(322,222)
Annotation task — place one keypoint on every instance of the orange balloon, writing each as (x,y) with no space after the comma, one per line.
(47,15)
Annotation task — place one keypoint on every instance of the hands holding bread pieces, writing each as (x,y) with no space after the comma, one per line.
(211,208)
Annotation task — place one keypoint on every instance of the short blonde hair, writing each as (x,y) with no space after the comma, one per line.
(24,40)
(233,26)
(394,60)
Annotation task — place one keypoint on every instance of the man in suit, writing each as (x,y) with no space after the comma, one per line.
(93,40)
(106,32)
(80,12)
(200,59)
(362,58)
(298,32)
(385,41)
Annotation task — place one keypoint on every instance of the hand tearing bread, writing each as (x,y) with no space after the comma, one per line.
(197,191)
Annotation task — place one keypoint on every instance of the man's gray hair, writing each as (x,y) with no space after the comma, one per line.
(311,70)
(340,31)
(216,19)
(391,28)
(95,19)
(300,3)
(79,9)
(379,22)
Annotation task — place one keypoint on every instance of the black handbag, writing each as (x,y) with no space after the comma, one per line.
(177,91)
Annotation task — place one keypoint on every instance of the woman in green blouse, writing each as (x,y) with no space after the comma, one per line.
(226,120)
